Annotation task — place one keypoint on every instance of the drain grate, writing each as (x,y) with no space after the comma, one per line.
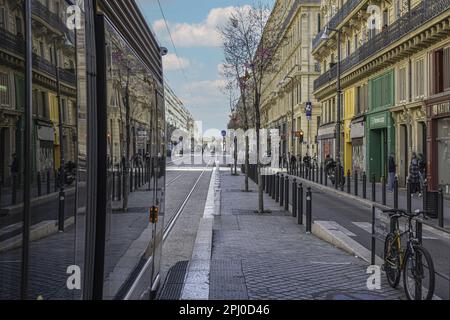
(173,285)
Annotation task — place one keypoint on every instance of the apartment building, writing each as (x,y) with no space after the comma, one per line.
(395,73)
(288,103)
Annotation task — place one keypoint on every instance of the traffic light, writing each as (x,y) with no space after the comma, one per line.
(302,136)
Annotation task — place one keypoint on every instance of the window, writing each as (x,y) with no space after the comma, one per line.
(385,18)
(2,17)
(402,84)
(356,41)
(19,30)
(4,89)
(419,78)
(361,99)
(349,47)
(440,67)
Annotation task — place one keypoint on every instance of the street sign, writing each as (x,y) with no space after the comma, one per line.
(308,110)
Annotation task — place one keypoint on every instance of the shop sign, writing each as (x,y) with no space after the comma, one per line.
(442,108)
(378,121)
(357,130)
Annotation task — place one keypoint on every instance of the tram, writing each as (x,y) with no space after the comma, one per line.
(82,151)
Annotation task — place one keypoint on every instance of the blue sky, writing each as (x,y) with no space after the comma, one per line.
(194,74)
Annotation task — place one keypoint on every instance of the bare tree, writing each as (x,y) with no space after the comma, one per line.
(250,44)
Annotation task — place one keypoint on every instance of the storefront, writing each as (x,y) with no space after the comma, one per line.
(327,140)
(438,111)
(380,143)
(357,136)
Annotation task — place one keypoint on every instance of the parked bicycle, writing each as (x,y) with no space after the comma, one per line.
(414,260)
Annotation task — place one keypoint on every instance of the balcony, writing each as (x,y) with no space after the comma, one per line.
(49,17)
(422,13)
(16,45)
(337,19)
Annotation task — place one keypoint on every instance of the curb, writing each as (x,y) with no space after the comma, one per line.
(196,282)
(18,208)
(366,203)
(37,232)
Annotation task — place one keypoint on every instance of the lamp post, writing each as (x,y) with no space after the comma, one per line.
(292,117)
(326,36)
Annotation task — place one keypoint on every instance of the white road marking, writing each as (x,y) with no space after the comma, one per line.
(333,225)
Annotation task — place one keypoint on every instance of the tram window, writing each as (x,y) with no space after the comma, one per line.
(130,183)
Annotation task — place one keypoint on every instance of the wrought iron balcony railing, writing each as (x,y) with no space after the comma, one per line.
(423,12)
(16,45)
(337,19)
(48,16)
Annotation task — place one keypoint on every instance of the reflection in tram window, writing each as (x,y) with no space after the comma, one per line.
(54,191)
(131,107)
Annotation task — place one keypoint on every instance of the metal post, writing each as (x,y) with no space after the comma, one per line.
(418,289)
(441,208)
(313,175)
(374,243)
(338,122)
(364,182)
(309,211)
(300,204)
(408,196)
(119,184)
(349,183)
(14,189)
(48,182)
(326,177)
(374,191)
(294,198)
(383,190)
(336,181)
(277,187)
(286,197)
(341,178)
(356,182)
(113,184)
(131,178)
(425,196)
(396,193)
(39,184)
(281,190)
(56,180)
(321,174)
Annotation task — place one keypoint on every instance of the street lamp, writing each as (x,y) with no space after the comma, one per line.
(326,36)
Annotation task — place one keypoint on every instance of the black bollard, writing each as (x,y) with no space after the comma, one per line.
(286,194)
(39,184)
(119,185)
(349,184)
(356,182)
(308,211)
(14,189)
(48,182)
(113,184)
(425,195)
(325,177)
(440,207)
(131,178)
(408,196)
(374,191)
(277,187)
(61,211)
(313,174)
(294,198)
(281,190)
(321,174)
(383,190)
(336,178)
(56,181)
(396,193)
(300,204)
(342,179)
(364,182)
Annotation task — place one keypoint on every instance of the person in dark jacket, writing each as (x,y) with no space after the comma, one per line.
(414,174)
(422,170)
(392,172)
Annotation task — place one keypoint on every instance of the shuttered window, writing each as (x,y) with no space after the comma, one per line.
(4,89)
(419,79)
(402,84)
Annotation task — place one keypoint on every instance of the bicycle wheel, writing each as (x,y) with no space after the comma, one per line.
(392,265)
(418,276)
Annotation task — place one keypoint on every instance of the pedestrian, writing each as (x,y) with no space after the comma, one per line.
(392,172)
(293,163)
(422,171)
(414,175)
(14,165)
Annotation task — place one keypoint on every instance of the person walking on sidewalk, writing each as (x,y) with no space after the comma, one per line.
(392,172)
(414,175)
(422,171)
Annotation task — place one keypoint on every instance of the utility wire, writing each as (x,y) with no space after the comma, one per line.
(175,48)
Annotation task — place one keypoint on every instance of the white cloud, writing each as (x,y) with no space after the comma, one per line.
(172,62)
(204,34)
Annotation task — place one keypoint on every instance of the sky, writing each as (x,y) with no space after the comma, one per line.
(194,74)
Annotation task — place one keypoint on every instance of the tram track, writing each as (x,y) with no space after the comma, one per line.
(174,216)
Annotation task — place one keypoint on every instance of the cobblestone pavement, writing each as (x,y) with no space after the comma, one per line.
(270,257)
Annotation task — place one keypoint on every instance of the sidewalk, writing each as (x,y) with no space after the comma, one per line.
(269,256)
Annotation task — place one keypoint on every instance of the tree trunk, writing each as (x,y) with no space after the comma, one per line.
(260,186)
(247,163)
